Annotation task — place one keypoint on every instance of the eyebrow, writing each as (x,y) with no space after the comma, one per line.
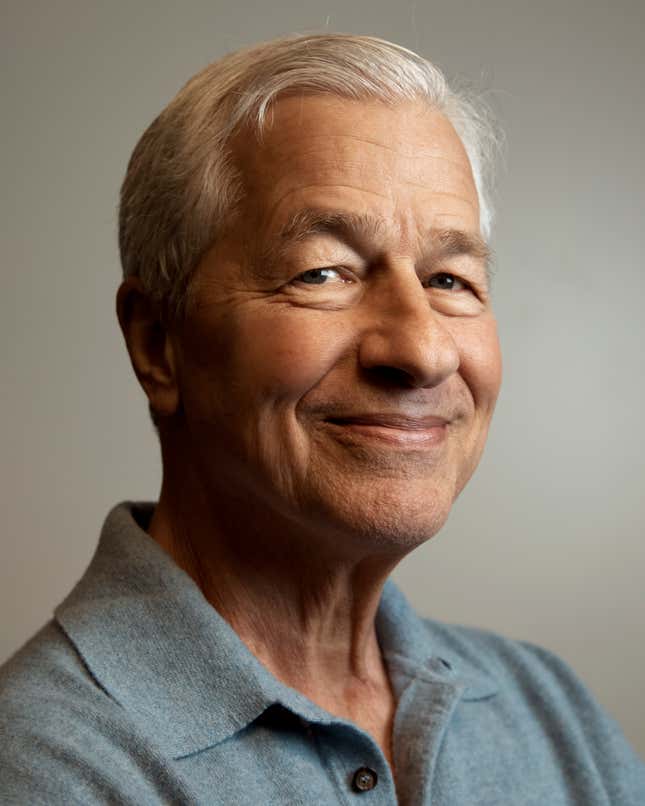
(356,229)
(350,226)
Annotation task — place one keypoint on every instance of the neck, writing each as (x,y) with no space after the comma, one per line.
(306,612)
(306,615)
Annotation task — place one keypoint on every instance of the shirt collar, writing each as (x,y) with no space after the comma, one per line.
(417,648)
(153,642)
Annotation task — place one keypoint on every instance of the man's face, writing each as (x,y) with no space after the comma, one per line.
(340,366)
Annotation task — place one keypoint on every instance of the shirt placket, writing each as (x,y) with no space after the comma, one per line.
(424,712)
(355,764)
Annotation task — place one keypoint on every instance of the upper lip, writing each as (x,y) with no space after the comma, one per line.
(390,420)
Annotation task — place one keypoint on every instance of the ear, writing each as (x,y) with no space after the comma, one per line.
(151,350)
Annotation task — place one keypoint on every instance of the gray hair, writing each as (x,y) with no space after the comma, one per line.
(181,184)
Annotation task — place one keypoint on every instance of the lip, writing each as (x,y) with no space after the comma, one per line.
(396,429)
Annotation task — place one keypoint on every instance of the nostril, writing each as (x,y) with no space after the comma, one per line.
(404,357)
(389,377)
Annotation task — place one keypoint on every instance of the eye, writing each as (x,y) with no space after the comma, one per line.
(318,276)
(446,282)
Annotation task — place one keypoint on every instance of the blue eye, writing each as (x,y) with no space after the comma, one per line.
(316,276)
(446,282)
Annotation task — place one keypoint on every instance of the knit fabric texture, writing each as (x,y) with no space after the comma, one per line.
(139,692)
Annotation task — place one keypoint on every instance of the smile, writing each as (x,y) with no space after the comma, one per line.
(395,429)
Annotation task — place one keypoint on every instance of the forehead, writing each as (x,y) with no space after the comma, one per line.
(404,163)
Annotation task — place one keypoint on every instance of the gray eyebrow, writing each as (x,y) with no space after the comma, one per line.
(357,228)
(311,221)
(353,228)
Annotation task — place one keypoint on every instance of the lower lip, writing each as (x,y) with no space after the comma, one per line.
(400,437)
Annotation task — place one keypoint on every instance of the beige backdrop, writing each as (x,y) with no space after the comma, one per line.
(547,542)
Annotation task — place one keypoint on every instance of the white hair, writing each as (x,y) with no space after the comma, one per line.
(181,184)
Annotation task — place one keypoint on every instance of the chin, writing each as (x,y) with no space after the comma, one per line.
(402,531)
(386,520)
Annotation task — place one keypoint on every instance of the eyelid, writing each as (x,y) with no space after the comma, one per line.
(343,273)
(468,268)
(453,274)
(478,289)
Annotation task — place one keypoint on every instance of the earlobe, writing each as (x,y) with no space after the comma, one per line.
(149,345)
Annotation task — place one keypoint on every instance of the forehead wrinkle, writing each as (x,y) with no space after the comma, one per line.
(460,158)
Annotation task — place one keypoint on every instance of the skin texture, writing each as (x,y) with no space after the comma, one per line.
(301,458)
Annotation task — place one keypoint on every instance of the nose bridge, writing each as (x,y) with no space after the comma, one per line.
(403,332)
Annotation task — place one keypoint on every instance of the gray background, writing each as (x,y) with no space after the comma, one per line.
(547,542)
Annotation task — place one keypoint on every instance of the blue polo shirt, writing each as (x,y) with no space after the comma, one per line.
(138,692)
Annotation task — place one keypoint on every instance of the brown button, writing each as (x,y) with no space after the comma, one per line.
(364,779)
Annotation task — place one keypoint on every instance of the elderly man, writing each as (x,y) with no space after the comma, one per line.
(306,304)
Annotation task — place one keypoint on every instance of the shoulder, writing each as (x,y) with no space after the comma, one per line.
(45,663)
(63,739)
(511,661)
(540,698)
(521,669)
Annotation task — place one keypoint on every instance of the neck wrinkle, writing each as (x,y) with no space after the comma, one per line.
(310,619)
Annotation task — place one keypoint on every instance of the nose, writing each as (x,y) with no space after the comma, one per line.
(405,342)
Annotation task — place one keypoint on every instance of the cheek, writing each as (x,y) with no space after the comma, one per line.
(280,354)
(481,362)
(289,361)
